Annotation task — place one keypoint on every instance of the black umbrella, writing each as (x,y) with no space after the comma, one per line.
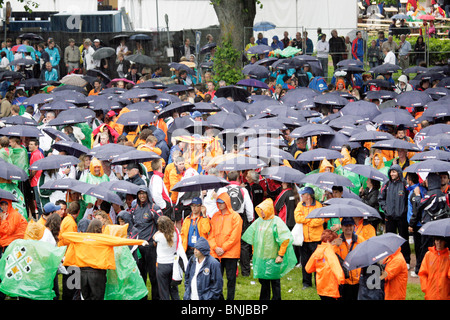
(437,110)
(20,130)
(380,83)
(269,154)
(103,53)
(319,154)
(283,174)
(121,186)
(109,151)
(299,95)
(151,84)
(230,106)
(413,99)
(263,124)
(385,68)
(373,250)
(415,69)
(199,183)
(141,59)
(104,194)
(438,228)
(259,49)
(71,148)
(331,99)
(7,195)
(38,99)
(30,36)
(434,129)
(381,94)
(207,47)
(56,134)
(104,103)
(57,105)
(177,88)
(341,122)
(166,97)
(10,75)
(135,118)
(340,211)
(225,120)
(14,120)
(310,130)
(143,106)
(395,119)
(22,62)
(206,107)
(262,141)
(66,184)
(235,92)
(138,93)
(71,116)
(180,66)
(432,154)
(140,37)
(75,97)
(256,71)
(437,93)
(352,201)
(54,162)
(439,140)
(336,141)
(431,165)
(240,163)
(371,135)
(366,171)
(394,144)
(135,156)
(365,109)
(327,179)
(350,62)
(9,171)
(179,107)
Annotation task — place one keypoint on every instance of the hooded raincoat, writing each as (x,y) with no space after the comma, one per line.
(13,227)
(397,276)
(270,237)
(393,197)
(434,274)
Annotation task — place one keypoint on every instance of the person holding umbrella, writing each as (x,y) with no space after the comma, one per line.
(395,276)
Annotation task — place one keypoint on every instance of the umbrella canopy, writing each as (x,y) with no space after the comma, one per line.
(104,194)
(179,107)
(138,93)
(319,154)
(356,202)
(71,148)
(14,120)
(38,99)
(66,184)
(71,116)
(428,166)
(9,171)
(7,195)
(20,131)
(254,83)
(327,179)
(331,99)
(341,211)
(269,154)
(263,26)
(57,105)
(432,154)
(310,130)
(103,53)
(54,162)
(199,183)
(74,80)
(283,174)
(109,151)
(434,130)
(415,69)
(176,88)
(370,136)
(365,109)
(121,186)
(381,94)
(140,37)
(30,36)
(336,141)
(394,144)
(437,141)
(373,250)
(206,107)
(413,99)
(395,119)
(366,171)
(438,228)
(23,62)
(256,71)
(240,163)
(135,118)
(385,68)
(181,66)
(235,92)
(262,142)
(259,49)
(141,59)
(225,120)
(56,134)
(135,156)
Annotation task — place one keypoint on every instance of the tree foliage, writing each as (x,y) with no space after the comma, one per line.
(225,62)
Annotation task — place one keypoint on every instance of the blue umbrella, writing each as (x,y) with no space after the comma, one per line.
(177,88)
(99,192)
(336,141)
(179,107)
(350,62)
(381,94)
(341,211)
(58,105)
(254,83)
(71,148)
(20,131)
(437,141)
(109,151)
(136,118)
(263,26)
(72,116)
(262,141)
(413,99)
(140,37)
(432,154)
(121,186)
(19,120)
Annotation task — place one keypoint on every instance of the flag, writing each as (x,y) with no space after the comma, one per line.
(125,282)
(28,269)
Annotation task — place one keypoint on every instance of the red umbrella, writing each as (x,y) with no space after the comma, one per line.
(119,79)
(427,17)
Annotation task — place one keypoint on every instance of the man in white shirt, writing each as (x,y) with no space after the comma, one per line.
(323,48)
(88,61)
(158,189)
(389,56)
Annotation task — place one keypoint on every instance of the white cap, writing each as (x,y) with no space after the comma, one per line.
(96,40)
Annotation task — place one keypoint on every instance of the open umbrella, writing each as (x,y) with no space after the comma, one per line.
(437,141)
(262,141)
(14,120)
(269,154)
(225,120)
(263,26)
(181,66)
(135,118)
(9,171)
(104,194)
(394,144)
(259,49)
(206,107)
(135,156)
(428,166)
(352,202)
(109,151)
(141,59)
(177,88)
(366,171)
(65,184)
(331,99)
(413,99)
(71,148)
(30,36)
(103,53)
(240,163)
(381,94)
(341,211)
(283,174)
(57,105)
(385,68)
(7,195)
(327,179)
(54,162)
(140,37)
(254,83)
(319,154)
(395,118)
(373,250)
(72,116)
(23,62)
(438,228)
(56,134)
(256,71)
(311,129)
(365,109)
(237,93)
(199,183)
(121,186)
(38,99)
(371,135)
(20,131)
(432,154)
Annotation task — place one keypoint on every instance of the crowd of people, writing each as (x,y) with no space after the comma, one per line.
(191,128)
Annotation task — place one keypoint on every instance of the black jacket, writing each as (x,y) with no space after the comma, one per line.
(393,197)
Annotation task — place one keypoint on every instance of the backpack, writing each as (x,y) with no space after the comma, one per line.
(303,80)
(437,207)
(318,84)
(236,197)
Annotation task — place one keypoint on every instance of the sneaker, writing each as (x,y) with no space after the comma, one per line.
(414,274)
(407,265)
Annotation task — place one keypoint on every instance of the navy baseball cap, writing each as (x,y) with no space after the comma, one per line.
(196,200)
(307,190)
(50,207)
(347,220)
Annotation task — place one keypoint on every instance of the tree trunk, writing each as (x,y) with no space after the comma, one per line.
(236,18)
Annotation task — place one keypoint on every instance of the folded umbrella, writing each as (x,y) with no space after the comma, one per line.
(438,228)
(199,183)
(54,162)
(9,171)
(366,171)
(373,250)
(283,174)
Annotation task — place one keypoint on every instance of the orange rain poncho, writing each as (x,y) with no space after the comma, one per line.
(434,274)
(13,227)
(397,276)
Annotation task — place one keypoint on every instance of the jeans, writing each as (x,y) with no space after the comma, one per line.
(400,225)
(306,250)
(266,285)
